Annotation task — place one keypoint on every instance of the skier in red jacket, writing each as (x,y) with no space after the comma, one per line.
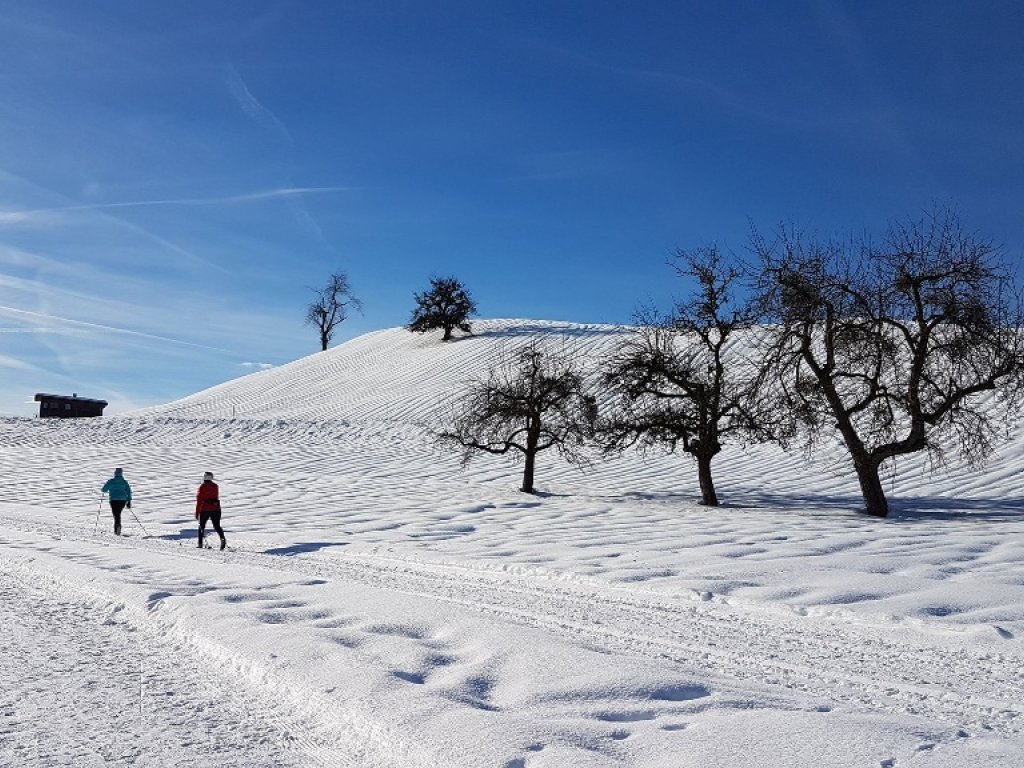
(208,508)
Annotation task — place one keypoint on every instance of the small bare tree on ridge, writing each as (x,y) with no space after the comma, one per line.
(329,307)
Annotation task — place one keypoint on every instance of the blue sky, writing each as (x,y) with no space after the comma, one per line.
(175,177)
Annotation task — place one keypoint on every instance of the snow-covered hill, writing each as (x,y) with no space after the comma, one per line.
(404,380)
(389,375)
(381,605)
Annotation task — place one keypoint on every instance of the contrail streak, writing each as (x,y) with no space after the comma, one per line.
(271,194)
(110,328)
(252,106)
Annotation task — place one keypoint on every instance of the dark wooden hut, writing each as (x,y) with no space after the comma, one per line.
(68,406)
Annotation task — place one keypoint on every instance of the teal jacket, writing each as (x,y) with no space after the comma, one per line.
(118,488)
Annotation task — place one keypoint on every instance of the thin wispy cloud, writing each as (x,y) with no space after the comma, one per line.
(87,290)
(34,330)
(15,217)
(710,90)
(50,216)
(749,104)
(25,314)
(255,110)
(15,364)
(252,106)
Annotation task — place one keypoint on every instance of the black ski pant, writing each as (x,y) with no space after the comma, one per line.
(213,517)
(116,506)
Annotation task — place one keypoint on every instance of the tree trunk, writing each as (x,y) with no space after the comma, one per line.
(528,469)
(875,503)
(866,467)
(532,441)
(708,497)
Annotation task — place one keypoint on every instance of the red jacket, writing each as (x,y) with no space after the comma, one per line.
(207,497)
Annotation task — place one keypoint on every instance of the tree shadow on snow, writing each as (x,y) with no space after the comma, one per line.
(531,330)
(911,509)
(807,502)
(754,500)
(545,495)
(901,509)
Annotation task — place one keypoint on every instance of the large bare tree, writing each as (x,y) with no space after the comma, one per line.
(671,381)
(533,400)
(330,306)
(892,345)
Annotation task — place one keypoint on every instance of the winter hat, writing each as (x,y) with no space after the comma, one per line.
(118,471)
(207,475)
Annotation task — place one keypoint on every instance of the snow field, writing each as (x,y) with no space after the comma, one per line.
(383,606)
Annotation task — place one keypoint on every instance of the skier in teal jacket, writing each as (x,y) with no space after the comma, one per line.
(120,494)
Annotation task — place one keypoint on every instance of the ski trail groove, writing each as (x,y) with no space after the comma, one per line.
(121,695)
(876,668)
(809,655)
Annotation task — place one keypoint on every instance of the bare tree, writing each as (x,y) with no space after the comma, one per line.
(447,305)
(533,400)
(892,345)
(671,382)
(330,307)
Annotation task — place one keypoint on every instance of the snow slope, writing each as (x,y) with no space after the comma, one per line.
(389,375)
(381,605)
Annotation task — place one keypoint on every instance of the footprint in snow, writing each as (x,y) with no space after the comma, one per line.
(410,677)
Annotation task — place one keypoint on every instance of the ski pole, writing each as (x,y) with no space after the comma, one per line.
(139,522)
(97,523)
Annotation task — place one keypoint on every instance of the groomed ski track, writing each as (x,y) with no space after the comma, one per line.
(912,672)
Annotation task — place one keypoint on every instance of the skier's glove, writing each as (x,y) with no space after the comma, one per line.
(129,505)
